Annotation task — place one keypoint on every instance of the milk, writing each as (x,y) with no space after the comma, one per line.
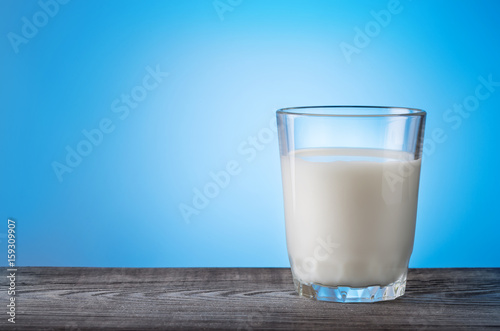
(350,215)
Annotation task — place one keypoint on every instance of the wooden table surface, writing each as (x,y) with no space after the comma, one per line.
(240,298)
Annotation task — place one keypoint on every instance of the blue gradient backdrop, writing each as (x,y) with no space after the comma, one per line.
(231,64)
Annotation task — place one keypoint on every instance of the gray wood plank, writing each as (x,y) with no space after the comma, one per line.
(240,298)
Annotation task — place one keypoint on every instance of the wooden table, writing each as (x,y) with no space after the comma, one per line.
(244,299)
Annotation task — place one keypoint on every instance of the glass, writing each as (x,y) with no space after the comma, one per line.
(350,185)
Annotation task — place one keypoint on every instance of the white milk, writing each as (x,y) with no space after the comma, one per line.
(350,215)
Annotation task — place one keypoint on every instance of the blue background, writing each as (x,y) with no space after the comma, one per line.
(228,74)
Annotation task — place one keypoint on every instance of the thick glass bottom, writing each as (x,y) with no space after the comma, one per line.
(351,294)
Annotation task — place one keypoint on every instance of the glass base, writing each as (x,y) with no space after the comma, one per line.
(351,294)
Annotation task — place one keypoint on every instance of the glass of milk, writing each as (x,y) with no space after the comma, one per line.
(350,185)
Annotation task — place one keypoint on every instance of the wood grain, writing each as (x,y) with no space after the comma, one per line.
(240,298)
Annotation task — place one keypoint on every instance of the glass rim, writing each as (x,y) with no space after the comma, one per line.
(402,111)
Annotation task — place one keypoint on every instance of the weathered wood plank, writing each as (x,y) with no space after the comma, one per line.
(241,298)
